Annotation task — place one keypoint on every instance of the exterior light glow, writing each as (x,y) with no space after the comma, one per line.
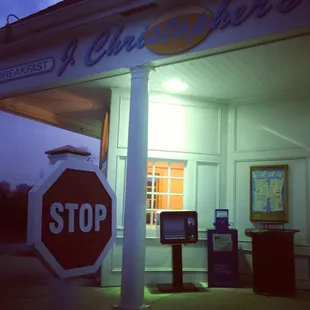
(175,85)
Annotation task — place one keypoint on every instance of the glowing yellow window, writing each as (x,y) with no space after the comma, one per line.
(165,188)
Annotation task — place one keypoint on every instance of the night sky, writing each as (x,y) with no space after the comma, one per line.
(23,141)
(22,8)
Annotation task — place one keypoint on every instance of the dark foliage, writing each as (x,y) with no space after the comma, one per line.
(13,212)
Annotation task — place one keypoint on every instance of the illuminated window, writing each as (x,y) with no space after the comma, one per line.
(165,188)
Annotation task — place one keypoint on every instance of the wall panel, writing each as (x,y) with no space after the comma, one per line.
(272,126)
(177,128)
(207,192)
(271,133)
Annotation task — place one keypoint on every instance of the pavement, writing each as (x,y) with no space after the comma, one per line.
(24,285)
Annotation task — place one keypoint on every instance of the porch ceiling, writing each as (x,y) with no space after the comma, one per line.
(275,68)
(73,108)
(271,69)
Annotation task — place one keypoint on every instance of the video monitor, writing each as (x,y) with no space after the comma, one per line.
(178,227)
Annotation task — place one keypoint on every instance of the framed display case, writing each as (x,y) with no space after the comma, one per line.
(269,194)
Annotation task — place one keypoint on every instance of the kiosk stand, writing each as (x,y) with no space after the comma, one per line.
(222,245)
(178,228)
(177,285)
(273,261)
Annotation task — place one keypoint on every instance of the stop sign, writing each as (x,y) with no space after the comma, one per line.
(74,218)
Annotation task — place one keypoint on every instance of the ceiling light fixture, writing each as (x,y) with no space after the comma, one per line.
(175,85)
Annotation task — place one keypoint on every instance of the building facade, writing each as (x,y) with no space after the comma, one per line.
(243,102)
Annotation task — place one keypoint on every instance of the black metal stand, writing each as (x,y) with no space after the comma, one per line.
(177,285)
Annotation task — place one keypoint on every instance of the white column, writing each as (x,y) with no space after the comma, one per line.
(63,294)
(133,266)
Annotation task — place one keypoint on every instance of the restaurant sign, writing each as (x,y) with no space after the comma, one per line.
(27,69)
(182,29)
(174,32)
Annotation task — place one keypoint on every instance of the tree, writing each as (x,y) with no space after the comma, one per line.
(22,189)
(5,188)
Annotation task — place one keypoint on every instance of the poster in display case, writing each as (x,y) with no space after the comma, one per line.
(269,194)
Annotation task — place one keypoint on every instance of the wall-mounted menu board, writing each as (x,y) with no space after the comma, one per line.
(269,194)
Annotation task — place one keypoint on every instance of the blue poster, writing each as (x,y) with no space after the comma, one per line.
(268,190)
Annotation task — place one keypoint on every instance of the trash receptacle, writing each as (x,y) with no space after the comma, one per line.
(273,261)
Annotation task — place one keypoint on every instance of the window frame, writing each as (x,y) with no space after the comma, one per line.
(152,210)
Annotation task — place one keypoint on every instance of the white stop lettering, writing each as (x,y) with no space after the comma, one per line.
(57,211)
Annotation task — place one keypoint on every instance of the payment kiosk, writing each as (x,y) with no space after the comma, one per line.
(177,228)
(222,245)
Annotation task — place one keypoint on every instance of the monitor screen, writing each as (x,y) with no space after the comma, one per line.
(174,228)
(178,227)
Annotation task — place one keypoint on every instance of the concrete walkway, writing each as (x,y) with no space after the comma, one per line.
(23,286)
(35,297)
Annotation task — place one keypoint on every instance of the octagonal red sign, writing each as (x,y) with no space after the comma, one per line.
(76,219)
(75,222)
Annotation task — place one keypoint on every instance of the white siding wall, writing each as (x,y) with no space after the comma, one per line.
(218,143)
(191,131)
(271,132)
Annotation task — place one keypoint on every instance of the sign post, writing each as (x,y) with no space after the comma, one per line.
(72,220)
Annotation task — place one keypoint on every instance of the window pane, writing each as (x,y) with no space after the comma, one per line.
(163,192)
(149,180)
(160,202)
(149,184)
(150,168)
(148,217)
(149,202)
(161,185)
(176,202)
(177,170)
(161,169)
(151,218)
(176,186)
